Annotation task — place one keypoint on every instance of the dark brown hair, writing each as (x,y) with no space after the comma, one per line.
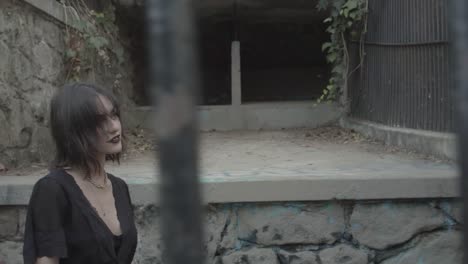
(75,116)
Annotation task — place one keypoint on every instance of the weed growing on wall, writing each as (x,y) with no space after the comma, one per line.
(347,20)
(89,38)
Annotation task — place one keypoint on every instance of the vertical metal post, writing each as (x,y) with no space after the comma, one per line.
(236,83)
(459,23)
(173,84)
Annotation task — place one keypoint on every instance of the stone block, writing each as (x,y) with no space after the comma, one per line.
(216,219)
(382,225)
(229,239)
(149,248)
(7,15)
(48,61)
(343,254)
(22,212)
(291,224)
(5,55)
(11,252)
(51,33)
(252,256)
(43,145)
(436,248)
(454,209)
(8,222)
(4,133)
(302,257)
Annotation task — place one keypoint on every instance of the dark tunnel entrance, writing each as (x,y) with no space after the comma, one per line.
(280,49)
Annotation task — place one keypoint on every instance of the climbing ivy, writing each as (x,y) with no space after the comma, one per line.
(89,38)
(347,20)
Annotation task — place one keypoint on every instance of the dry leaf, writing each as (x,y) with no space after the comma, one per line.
(3,168)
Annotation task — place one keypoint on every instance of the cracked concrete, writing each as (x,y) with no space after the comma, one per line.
(395,222)
(434,248)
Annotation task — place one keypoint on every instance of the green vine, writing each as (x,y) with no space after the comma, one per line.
(347,20)
(89,38)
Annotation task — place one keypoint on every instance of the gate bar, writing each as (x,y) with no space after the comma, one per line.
(459,24)
(173,83)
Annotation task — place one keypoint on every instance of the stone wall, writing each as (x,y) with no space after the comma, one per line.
(361,232)
(32,68)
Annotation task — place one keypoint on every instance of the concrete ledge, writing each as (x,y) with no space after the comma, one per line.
(253,116)
(297,189)
(443,145)
(254,187)
(54,9)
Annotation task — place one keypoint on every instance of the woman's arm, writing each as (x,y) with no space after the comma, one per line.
(44,235)
(47,260)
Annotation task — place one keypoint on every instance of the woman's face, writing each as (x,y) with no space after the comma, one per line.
(109,133)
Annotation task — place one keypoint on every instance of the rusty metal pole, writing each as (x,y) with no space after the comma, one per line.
(459,24)
(173,83)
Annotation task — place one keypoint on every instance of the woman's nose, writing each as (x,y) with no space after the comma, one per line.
(113,125)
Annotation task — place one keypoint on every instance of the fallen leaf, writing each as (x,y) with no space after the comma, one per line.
(3,168)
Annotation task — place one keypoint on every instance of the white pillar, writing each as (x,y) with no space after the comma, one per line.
(236,89)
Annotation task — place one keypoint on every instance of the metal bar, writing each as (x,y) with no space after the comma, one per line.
(406,44)
(236,79)
(173,82)
(459,23)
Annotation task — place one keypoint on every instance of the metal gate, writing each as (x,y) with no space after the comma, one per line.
(405,80)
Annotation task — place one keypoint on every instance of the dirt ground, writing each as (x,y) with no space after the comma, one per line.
(244,150)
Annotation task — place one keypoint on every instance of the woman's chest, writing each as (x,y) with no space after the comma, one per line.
(84,228)
(104,206)
(85,223)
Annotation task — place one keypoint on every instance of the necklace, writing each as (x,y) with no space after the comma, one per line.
(97,185)
(103,212)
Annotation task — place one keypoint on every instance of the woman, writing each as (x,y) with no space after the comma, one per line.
(78,213)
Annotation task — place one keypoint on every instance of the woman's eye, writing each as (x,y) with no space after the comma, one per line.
(102,118)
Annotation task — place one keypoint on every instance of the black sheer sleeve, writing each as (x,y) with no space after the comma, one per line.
(44,230)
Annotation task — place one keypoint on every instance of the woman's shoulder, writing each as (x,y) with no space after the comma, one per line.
(48,189)
(50,178)
(51,181)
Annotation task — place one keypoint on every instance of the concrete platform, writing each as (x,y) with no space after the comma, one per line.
(439,144)
(253,116)
(289,165)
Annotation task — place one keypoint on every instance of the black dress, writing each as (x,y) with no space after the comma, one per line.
(61,222)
